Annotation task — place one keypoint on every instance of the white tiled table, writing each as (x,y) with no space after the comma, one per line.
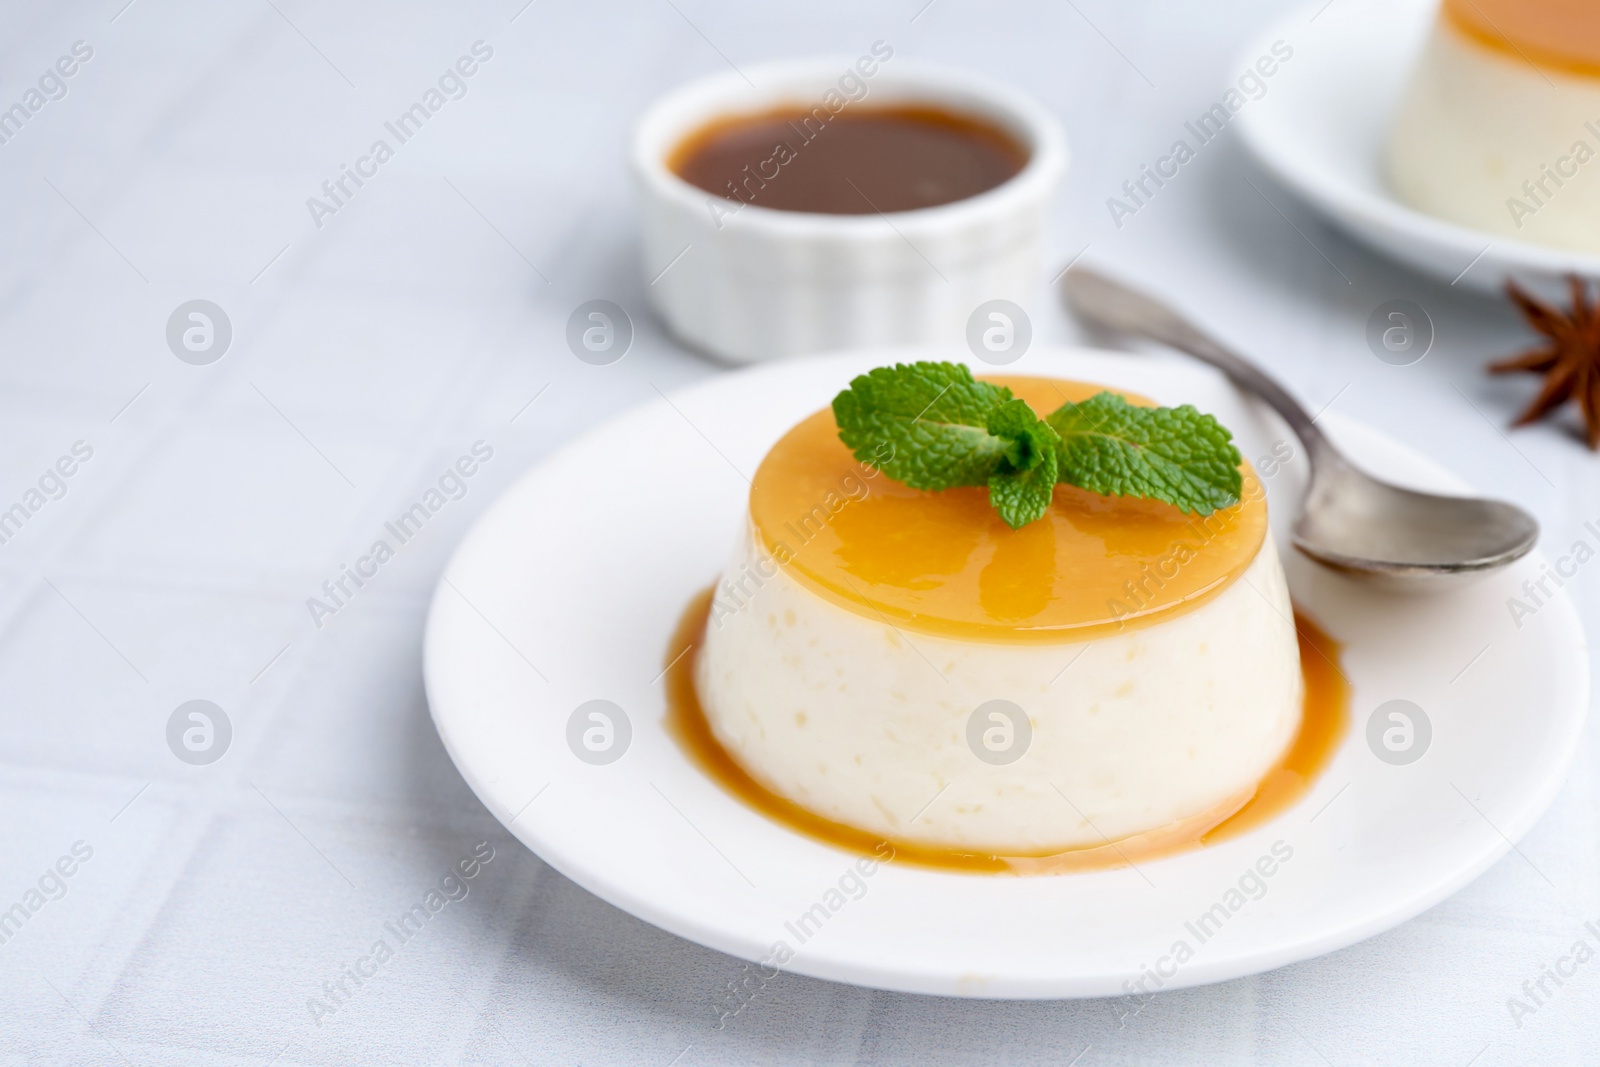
(369,353)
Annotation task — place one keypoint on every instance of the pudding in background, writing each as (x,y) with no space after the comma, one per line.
(1500,128)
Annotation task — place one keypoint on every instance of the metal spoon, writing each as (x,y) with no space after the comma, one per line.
(1349,520)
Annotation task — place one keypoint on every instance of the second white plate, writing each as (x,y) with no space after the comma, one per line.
(1321,130)
(568,589)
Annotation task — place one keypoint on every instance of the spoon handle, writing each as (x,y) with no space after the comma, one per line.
(1111,305)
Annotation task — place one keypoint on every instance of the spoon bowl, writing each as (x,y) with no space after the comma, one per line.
(1406,539)
(1349,521)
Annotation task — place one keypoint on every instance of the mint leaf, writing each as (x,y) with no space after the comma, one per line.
(1022,496)
(1177,454)
(933,427)
(1021,487)
(924,424)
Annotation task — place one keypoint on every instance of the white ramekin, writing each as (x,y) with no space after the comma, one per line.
(761,284)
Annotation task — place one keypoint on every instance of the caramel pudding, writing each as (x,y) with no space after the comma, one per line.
(1500,127)
(867,638)
(860,161)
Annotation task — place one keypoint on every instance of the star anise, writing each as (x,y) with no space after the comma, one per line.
(1569,358)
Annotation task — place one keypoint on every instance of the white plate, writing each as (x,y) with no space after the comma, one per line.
(1321,130)
(568,589)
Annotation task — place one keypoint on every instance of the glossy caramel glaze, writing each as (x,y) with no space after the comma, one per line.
(1323,723)
(945,563)
(1562,34)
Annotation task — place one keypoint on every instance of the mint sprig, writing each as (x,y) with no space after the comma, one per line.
(933,427)
(924,424)
(1172,454)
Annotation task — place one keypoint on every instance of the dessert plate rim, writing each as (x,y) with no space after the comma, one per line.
(543,633)
(1369,36)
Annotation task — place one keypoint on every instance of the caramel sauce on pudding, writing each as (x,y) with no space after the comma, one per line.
(945,563)
(858,161)
(1563,34)
(1323,722)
